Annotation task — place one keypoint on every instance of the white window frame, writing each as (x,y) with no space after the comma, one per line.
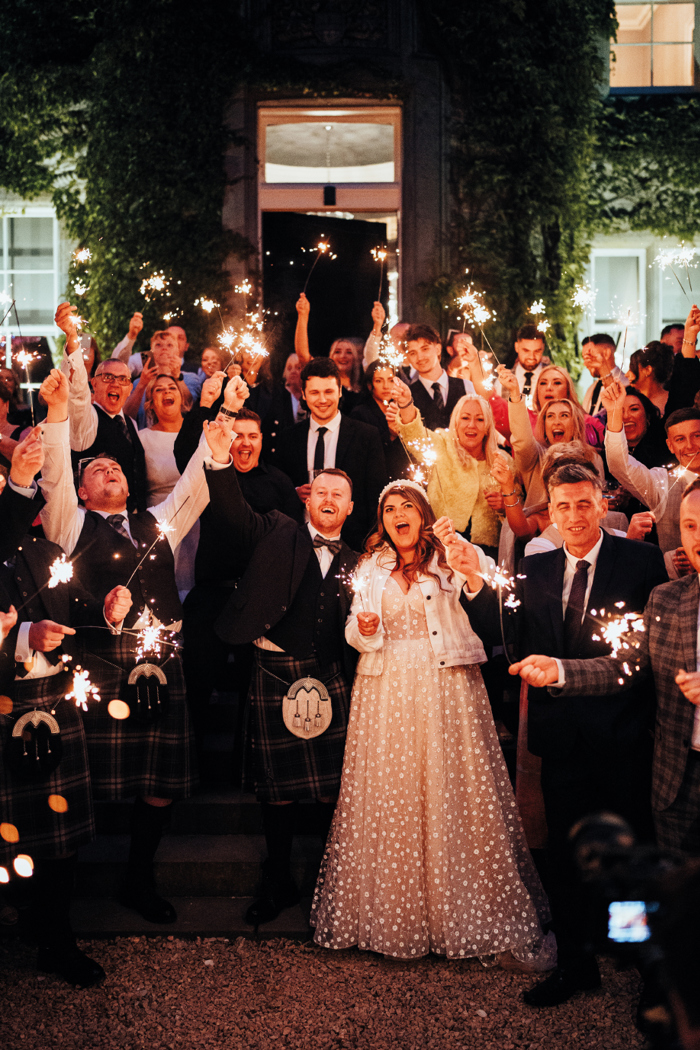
(637,321)
(693,43)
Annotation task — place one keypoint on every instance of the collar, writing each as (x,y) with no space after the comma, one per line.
(119,413)
(108,513)
(314,532)
(591,557)
(442,379)
(332,424)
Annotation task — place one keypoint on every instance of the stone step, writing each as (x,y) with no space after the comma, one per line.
(194,865)
(223,812)
(196,917)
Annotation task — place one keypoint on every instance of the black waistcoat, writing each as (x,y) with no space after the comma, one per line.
(129,454)
(106,559)
(434,418)
(312,625)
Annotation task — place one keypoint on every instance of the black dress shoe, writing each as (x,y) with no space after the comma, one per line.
(145,900)
(560,985)
(273,899)
(71,964)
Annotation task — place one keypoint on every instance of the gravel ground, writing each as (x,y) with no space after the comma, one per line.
(170,993)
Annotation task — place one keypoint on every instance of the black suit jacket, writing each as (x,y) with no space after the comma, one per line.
(278,549)
(626,571)
(360,454)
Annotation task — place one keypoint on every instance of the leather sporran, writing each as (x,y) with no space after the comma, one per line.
(307,709)
(147,694)
(35,746)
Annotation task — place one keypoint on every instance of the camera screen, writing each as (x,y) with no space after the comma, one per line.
(628,922)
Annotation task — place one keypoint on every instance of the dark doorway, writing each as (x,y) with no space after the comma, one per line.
(341,290)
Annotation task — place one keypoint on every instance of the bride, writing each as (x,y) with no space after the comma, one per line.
(426,851)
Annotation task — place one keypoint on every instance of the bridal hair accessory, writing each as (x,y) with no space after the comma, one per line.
(402,483)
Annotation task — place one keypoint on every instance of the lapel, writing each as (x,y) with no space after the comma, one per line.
(300,437)
(602,575)
(688,613)
(554,600)
(344,439)
(303,550)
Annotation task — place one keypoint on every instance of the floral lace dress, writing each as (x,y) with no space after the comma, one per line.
(426,851)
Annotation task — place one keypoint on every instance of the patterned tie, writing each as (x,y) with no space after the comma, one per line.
(334,546)
(575,608)
(528,383)
(117,523)
(320,453)
(437,397)
(123,427)
(596,394)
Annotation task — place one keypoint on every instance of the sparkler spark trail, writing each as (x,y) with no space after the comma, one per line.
(61,571)
(83,689)
(149,641)
(389,354)
(543,325)
(155,284)
(358,581)
(82,255)
(379,254)
(321,248)
(472,305)
(207,304)
(583,297)
(618,632)
(537,307)
(163,529)
(681,256)
(23,357)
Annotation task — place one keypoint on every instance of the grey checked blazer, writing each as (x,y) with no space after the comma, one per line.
(667,646)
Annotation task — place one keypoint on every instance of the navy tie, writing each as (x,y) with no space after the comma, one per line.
(437,397)
(575,609)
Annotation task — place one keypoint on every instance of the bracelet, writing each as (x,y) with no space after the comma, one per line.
(515,401)
(407,405)
(507,495)
(510,506)
(228,412)
(690,342)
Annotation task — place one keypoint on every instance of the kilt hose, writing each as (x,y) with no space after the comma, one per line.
(44,833)
(128,758)
(285,767)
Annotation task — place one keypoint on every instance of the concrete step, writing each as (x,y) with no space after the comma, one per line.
(196,917)
(209,812)
(194,865)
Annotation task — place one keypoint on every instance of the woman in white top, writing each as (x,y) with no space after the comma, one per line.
(165,402)
(426,852)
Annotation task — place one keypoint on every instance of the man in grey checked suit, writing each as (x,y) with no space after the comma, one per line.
(670,652)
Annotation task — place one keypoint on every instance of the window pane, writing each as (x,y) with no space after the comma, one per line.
(673,65)
(634,23)
(617,287)
(31,244)
(329,152)
(673,22)
(674,305)
(34,295)
(631,66)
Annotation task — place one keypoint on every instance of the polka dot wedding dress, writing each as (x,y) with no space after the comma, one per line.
(427,851)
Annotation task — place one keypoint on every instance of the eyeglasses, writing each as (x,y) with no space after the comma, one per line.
(108,377)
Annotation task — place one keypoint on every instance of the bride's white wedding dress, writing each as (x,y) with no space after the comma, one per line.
(426,851)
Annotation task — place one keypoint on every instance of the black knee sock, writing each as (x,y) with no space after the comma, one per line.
(147,824)
(278,825)
(324,819)
(52,885)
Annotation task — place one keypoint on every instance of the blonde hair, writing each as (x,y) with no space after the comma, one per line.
(570,394)
(490,441)
(357,349)
(185,397)
(577,414)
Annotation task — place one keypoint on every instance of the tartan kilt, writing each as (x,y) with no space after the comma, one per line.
(42,832)
(128,758)
(285,767)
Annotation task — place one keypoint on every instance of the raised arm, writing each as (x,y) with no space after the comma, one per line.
(132,406)
(81,413)
(61,517)
(371,351)
(648,485)
(301,333)
(525,448)
(18,503)
(124,349)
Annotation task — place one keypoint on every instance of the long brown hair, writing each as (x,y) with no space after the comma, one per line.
(428,544)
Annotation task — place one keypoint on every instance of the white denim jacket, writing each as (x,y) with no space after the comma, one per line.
(449,631)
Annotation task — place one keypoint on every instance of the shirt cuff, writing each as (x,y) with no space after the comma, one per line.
(55,435)
(211,464)
(23,651)
(28,492)
(561,680)
(114,628)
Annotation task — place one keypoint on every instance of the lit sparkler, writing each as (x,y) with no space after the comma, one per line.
(321,248)
(389,354)
(681,256)
(472,305)
(207,304)
(61,571)
(149,641)
(244,288)
(583,297)
(358,581)
(23,357)
(379,255)
(80,288)
(82,255)
(83,689)
(155,284)
(537,308)
(543,325)
(163,529)
(499,578)
(618,632)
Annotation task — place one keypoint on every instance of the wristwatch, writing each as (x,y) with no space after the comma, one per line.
(228,412)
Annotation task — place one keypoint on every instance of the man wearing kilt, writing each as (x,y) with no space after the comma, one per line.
(148,754)
(292,602)
(45,792)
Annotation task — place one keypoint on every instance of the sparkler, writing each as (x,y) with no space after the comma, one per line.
(61,571)
(82,255)
(83,689)
(543,325)
(207,304)
(23,358)
(358,581)
(163,530)
(682,256)
(379,254)
(149,641)
(583,297)
(537,307)
(618,632)
(472,305)
(321,248)
(500,580)
(155,284)
(389,354)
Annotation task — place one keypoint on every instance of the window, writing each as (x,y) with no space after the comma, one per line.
(619,279)
(654,46)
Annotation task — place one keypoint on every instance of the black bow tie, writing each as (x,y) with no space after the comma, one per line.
(334,546)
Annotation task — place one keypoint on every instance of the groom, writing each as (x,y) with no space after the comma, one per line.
(292,602)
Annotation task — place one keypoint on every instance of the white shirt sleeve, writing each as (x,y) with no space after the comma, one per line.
(123,350)
(538,545)
(648,485)
(61,516)
(371,349)
(81,412)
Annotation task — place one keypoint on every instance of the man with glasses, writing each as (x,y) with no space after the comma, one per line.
(98,424)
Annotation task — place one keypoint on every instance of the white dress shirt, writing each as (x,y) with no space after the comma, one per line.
(444,382)
(330,441)
(587,403)
(82,413)
(325,560)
